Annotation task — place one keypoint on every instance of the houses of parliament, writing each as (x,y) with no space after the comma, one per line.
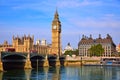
(26,43)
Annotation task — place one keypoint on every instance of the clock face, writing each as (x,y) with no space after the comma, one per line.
(54,27)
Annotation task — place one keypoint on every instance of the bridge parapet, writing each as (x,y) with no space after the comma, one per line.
(4,54)
(36,54)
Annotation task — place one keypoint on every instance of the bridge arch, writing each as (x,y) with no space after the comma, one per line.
(35,57)
(52,57)
(37,60)
(52,60)
(13,61)
(62,60)
(16,56)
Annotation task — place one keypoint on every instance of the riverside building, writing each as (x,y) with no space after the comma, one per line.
(118,48)
(25,44)
(107,43)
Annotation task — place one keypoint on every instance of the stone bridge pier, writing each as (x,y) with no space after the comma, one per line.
(38,60)
(1,65)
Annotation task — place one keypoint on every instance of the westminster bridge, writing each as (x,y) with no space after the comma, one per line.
(12,60)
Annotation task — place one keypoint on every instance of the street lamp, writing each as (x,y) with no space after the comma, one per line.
(81,60)
(37,69)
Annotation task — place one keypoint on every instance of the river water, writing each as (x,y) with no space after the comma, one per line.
(64,73)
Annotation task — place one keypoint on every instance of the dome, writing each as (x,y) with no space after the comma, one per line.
(68,47)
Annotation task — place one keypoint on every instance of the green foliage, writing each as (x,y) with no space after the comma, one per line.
(118,54)
(96,50)
(68,53)
(76,52)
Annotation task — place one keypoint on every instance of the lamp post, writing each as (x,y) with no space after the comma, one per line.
(81,60)
(37,69)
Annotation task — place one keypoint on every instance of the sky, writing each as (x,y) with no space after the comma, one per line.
(78,17)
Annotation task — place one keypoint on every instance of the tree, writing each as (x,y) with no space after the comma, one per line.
(118,54)
(75,52)
(68,53)
(96,50)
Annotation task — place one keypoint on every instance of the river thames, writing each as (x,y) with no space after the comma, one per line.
(64,73)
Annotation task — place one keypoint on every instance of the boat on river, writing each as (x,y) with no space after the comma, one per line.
(110,61)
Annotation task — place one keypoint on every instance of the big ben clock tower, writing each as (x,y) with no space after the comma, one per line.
(56,35)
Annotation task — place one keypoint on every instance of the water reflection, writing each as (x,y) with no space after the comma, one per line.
(99,73)
(1,75)
(63,73)
(28,73)
(55,73)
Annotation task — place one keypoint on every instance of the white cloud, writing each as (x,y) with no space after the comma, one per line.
(91,22)
(77,3)
(28,6)
(36,5)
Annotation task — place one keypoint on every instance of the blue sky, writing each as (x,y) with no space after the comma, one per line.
(78,17)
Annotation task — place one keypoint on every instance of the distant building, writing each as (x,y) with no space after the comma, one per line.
(26,44)
(38,42)
(5,46)
(43,42)
(41,46)
(118,48)
(86,42)
(68,48)
(23,44)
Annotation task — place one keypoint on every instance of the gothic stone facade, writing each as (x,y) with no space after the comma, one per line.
(107,43)
(23,44)
(26,44)
(56,35)
(4,46)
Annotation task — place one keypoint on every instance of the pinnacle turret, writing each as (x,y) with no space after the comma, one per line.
(56,16)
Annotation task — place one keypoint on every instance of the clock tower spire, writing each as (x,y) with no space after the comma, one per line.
(56,35)
(56,16)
